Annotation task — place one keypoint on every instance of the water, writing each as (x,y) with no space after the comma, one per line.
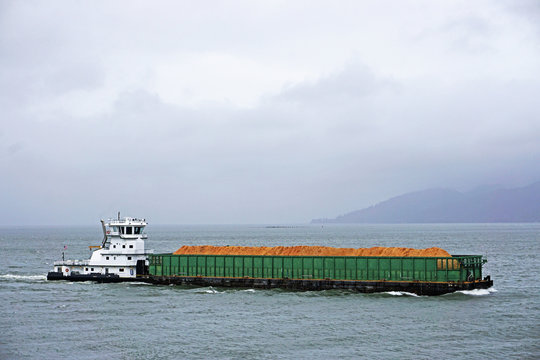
(41,319)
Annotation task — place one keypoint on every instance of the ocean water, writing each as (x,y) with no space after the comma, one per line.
(45,320)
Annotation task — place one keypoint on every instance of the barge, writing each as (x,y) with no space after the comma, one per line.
(422,275)
(418,275)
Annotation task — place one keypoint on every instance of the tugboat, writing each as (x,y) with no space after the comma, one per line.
(120,257)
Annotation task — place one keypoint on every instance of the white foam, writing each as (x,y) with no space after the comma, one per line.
(478,292)
(400,293)
(23,277)
(140,283)
(209,290)
(249,290)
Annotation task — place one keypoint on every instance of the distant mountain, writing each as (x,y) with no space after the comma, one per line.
(485,204)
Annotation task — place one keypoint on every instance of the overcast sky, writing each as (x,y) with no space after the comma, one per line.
(260,112)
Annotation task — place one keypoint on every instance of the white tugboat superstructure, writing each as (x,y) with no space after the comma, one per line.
(121,257)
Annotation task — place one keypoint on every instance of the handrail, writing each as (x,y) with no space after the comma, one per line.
(126,220)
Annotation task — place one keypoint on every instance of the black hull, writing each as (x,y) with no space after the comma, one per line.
(415,287)
(90,277)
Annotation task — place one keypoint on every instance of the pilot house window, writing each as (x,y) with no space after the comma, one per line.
(131,230)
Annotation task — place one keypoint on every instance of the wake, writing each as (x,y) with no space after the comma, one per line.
(15,277)
(478,292)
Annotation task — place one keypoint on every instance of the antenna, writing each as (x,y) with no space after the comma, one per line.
(119,215)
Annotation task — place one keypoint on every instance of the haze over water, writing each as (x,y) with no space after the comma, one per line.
(242,112)
(41,319)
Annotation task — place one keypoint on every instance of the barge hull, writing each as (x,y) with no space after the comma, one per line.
(415,287)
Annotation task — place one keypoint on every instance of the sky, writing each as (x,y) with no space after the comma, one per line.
(260,112)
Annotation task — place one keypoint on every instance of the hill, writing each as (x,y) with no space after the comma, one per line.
(485,204)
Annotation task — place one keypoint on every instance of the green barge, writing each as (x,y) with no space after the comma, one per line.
(419,275)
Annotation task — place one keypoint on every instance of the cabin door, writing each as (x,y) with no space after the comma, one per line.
(141,268)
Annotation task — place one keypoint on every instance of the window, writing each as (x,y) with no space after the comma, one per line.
(91,269)
(138,230)
(115,228)
(122,229)
(121,270)
(131,246)
(129,257)
(107,258)
(129,230)
(114,258)
(123,246)
(114,246)
(86,269)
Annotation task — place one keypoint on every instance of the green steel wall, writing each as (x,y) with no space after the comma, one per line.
(460,268)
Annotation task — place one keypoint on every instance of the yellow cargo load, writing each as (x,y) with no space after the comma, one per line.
(310,251)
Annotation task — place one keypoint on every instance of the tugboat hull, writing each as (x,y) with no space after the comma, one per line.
(101,278)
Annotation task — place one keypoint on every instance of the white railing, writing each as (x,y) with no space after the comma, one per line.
(126,221)
(72,262)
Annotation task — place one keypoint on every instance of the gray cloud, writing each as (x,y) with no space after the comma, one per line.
(356,106)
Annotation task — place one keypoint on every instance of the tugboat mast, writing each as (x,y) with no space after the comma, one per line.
(105,238)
